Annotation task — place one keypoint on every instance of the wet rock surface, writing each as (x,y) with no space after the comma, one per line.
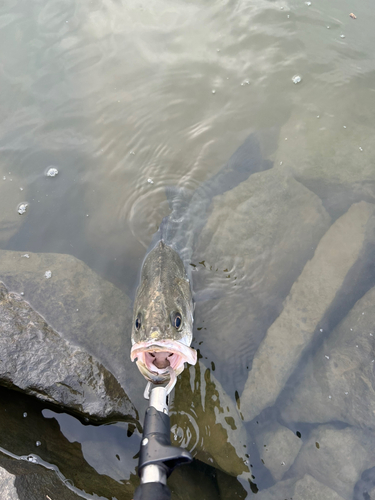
(21,480)
(36,360)
(278,447)
(336,457)
(81,306)
(309,299)
(338,382)
(257,239)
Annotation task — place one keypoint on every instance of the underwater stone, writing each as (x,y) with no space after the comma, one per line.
(309,299)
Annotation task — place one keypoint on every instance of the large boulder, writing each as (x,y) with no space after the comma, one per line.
(36,360)
(338,382)
(330,149)
(81,306)
(306,488)
(257,239)
(336,457)
(278,447)
(309,299)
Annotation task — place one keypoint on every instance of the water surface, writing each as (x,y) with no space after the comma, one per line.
(127,98)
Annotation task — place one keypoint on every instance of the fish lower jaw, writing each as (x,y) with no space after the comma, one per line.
(154,374)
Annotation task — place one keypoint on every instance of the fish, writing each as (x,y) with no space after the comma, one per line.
(163,316)
(163,313)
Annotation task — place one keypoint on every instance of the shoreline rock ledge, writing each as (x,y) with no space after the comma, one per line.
(310,297)
(37,361)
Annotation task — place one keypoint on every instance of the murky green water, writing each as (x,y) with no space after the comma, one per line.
(127,98)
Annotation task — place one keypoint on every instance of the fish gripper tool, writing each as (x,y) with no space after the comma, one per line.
(158,458)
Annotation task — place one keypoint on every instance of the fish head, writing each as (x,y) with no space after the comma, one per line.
(163,316)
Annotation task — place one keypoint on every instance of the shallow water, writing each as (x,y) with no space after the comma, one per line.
(126,99)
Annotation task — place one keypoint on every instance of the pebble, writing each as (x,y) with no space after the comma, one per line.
(214,91)
(24,415)
(342,36)
(296,79)
(26,255)
(38,443)
(150,181)
(48,274)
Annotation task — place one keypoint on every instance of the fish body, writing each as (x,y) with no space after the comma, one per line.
(163,316)
(163,307)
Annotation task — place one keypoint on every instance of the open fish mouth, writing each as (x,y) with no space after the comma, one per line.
(154,357)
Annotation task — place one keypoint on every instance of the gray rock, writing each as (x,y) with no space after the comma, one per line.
(341,387)
(82,307)
(336,457)
(309,299)
(21,480)
(306,488)
(257,239)
(36,360)
(7,487)
(325,158)
(278,447)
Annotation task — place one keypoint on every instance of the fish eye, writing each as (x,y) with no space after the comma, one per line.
(176,320)
(138,322)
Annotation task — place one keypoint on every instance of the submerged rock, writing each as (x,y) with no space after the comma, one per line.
(36,360)
(206,422)
(309,299)
(278,447)
(341,387)
(306,488)
(329,148)
(336,457)
(257,239)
